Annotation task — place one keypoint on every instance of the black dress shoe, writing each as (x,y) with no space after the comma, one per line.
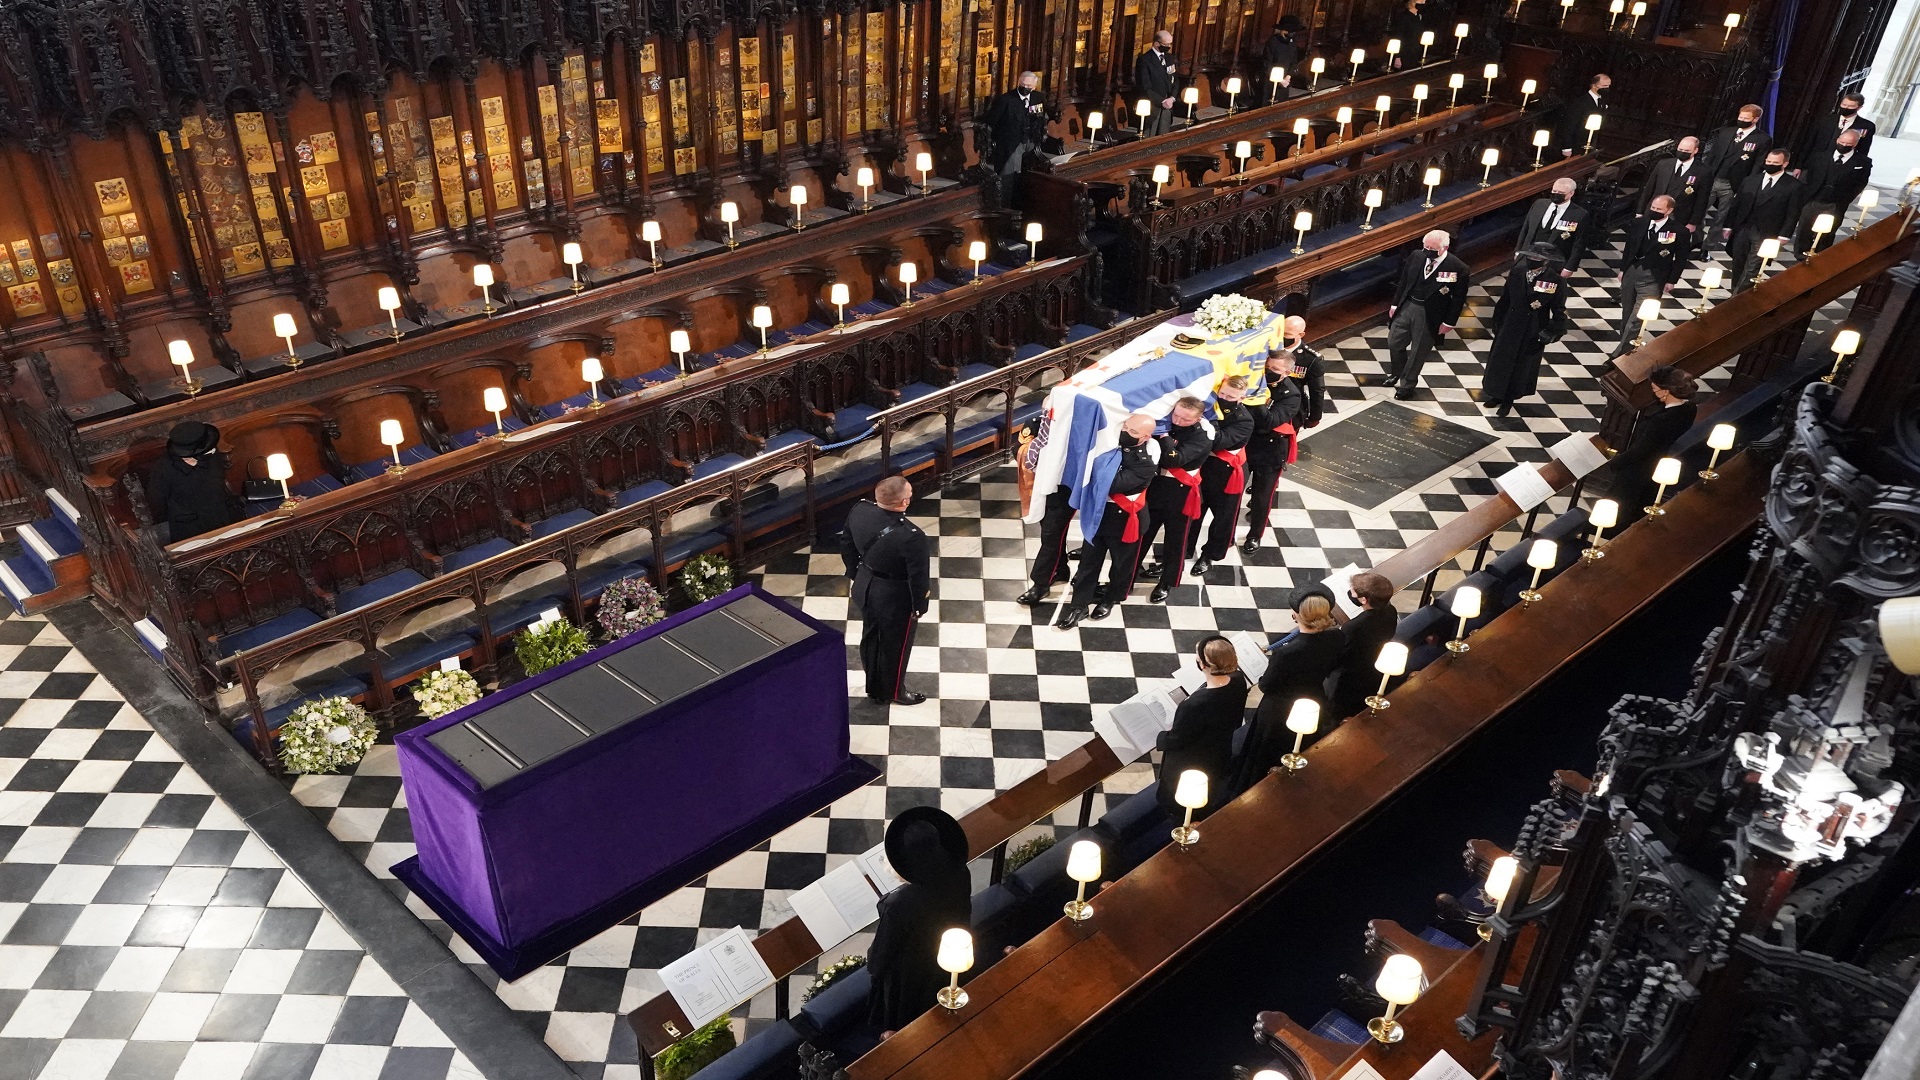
(1391,380)
(1033,595)
(908,697)
(1074,554)
(1506,407)
(1250,547)
(1403,393)
(1159,594)
(1201,566)
(1100,611)
(1151,569)
(1071,617)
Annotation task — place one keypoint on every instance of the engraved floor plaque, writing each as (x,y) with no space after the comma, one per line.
(1383,452)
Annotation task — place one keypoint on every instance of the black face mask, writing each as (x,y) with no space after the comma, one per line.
(1849,112)
(1127,441)
(1842,148)
(1776,170)
(1559,196)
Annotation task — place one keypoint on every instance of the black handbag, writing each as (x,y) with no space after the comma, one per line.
(259,489)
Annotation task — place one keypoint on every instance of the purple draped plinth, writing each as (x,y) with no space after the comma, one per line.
(546,859)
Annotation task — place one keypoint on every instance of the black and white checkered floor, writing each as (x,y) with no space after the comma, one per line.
(144,932)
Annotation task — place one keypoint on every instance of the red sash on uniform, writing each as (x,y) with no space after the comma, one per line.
(1191,478)
(1130,505)
(1237,461)
(1293,444)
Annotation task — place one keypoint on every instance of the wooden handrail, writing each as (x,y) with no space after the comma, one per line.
(1030,1003)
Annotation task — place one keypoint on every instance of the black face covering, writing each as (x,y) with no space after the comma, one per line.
(1127,441)
(1775,170)
(1844,111)
(1842,148)
(1559,196)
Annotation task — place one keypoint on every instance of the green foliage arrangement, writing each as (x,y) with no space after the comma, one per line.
(833,973)
(1027,852)
(705,577)
(695,1052)
(549,645)
(441,692)
(325,735)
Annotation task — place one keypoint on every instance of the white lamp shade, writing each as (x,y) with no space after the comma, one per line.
(1243,150)
(1303,221)
(864,177)
(1605,514)
(591,371)
(1900,632)
(1162,174)
(923,161)
(1392,659)
(1143,107)
(180,352)
(1191,95)
(1419,91)
(1303,718)
(1541,137)
(1460,30)
(283,325)
(1823,223)
(1268,1074)
(1733,21)
(389,298)
(1302,126)
(650,232)
(680,341)
(1233,84)
(1593,121)
(1318,66)
(1710,277)
(1846,342)
(1382,103)
(762,316)
(977,251)
(1431,179)
(729,211)
(1276,74)
(494,398)
(1617,7)
(1491,71)
(1649,308)
(1034,232)
(1529,87)
(1426,37)
(1770,248)
(1543,554)
(482,275)
(1358,56)
(279,467)
(1466,602)
(1456,80)
(1083,861)
(1500,878)
(1721,437)
(909,272)
(1491,156)
(1096,121)
(1869,199)
(390,433)
(1639,8)
(1374,198)
(838,293)
(1344,115)
(1667,471)
(797,195)
(1393,46)
(570,254)
(1192,791)
(956,951)
(1400,979)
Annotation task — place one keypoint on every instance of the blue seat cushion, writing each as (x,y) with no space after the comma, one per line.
(638,492)
(259,634)
(473,553)
(907,459)
(759,520)
(872,307)
(916,390)
(594,582)
(1137,815)
(411,455)
(1024,413)
(976,434)
(1339,1027)
(379,588)
(852,420)
(717,463)
(526,614)
(425,654)
(789,437)
(1081,330)
(1030,349)
(319,485)
(348,686)
(1443,939)
(577,401)
(974,371)
(557,522)
(838,1007)
(1317,170)
(686,546)
(474,435)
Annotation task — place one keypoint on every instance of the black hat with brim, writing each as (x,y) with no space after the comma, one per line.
(1290,24)
(925,841)
(191,438)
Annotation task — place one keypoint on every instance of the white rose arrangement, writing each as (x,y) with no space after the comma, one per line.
(1229,313)
(441,692)
(325,735)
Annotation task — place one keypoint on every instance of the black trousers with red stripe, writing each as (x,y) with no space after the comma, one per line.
(1261,482)
(1106,542)
(1166,509)
(1224,506)
(886,637)
(1050,563)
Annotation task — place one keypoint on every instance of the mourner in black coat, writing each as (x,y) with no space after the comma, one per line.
(1154,79)
(1653,252)
(928,850)
(1018,120)
(1202,733)
(1278,415)
(1283,51)
(1559,221)
(1570,135)
(1173,499)
(1767,205)
(1653,437)
(1732,154)
(1834,177)
(1682,177)
(1846,117)
(1531,312)
(1122,523)
(188,487)
(889,558)
(1354,676)
(1223,475)
(1296,668)
(1427,302)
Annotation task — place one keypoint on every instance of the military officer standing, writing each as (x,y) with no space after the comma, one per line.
(1128,469)
(889,559)
(1223,476)
(1173,499)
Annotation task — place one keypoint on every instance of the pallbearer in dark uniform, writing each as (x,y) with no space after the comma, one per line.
(1127,470)
(1531,312)
(1050,562)
(1426,304)
(1652,254)
(1173,499)
(1223,475)
(1277,417)
(889,559)
(1309,370)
